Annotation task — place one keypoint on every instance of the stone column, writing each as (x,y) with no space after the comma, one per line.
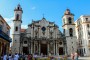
(48,48)
(39,48)
(31,47)
(34,47)
(0,48)
(54,47)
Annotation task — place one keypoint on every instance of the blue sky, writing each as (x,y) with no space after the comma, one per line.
(53,10)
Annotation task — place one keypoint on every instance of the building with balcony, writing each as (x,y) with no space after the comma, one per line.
(83,34)
(4,36)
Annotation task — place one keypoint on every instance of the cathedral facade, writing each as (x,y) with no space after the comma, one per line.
(44,37)
(41,37)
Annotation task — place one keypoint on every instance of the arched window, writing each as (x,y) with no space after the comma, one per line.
(71,32)
(16,29)
(17,17)
(70,20)
(18,8)
(25,42)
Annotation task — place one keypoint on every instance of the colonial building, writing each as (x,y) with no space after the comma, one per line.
(83,34)
(4,36)
(41,37)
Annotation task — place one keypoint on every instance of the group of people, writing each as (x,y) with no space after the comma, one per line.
(16,57)
(9,57)
(74,56)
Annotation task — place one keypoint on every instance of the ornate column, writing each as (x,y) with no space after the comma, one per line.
(39,47)
(48,48)
(0,48)
(56,47)
(31,47)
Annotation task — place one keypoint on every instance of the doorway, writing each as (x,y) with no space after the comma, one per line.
(44,49)
(25,50)
(61,51)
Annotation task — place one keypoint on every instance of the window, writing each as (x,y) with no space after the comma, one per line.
(16,29)
(89,41)
(88,32)
(25,42)
(70,20)
(17,17)
(64,31)
(64,21)
(81,41)
(15,41)
(89,49)
(84,50)
(43,28)
(0,27)
(60,43)
(88,25)
(71,32)
(86,19)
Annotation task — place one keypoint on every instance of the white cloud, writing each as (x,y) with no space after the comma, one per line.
(33,8)
(9,19)
(10,23)
(23,26)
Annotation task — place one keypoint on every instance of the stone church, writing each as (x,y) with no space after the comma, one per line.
(43,36)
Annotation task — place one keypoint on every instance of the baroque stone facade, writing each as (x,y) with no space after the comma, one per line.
(41,37)
(44,37)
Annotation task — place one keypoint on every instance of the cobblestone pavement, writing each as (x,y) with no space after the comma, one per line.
(82,58)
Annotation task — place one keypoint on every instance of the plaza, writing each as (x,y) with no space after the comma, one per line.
(61,33)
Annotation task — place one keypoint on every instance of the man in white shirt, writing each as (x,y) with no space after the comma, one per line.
(5,57)
(16,56)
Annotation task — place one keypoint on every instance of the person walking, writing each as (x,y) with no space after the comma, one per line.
(28,56)
(72,56)
(10,57)
(16,57)
(5,57)
(76,55)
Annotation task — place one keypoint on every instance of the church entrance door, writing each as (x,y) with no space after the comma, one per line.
(61,51)
(25,50)
(44,49)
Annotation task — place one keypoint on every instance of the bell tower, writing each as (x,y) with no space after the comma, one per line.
(16,28)
(69,32)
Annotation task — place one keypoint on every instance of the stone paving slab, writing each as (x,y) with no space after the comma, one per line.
(81,58)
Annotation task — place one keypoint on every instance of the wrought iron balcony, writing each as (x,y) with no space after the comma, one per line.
(5,36)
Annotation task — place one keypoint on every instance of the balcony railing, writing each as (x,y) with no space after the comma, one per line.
(5,36)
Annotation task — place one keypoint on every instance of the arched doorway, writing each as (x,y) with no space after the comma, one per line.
(44,49)
(60,50)
(25,50)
